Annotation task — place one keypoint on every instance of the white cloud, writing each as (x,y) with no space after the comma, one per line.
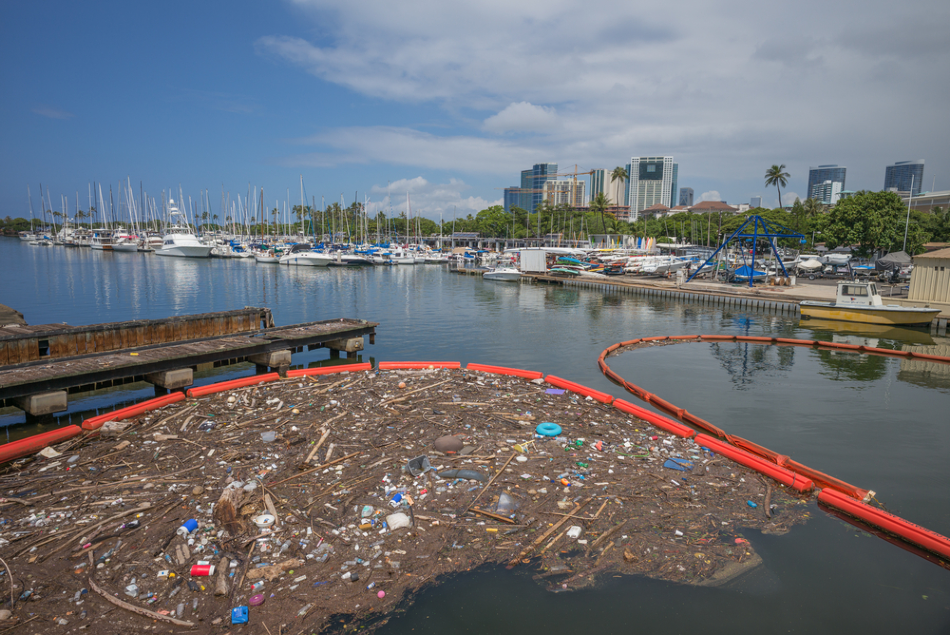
(427,199)
(522,117)
(405,146)
(722,92)
(711,195)
(52,113)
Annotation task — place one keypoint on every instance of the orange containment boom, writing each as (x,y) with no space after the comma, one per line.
(30,445)
(602,397)
(503,370)
(417,365)
(780,474)
(329,370)
(673,427)
(94,423)
(929,540)
(201,391)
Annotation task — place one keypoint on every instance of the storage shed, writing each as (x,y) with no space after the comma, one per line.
(930,280)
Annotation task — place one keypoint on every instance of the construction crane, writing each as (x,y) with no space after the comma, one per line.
(574,174)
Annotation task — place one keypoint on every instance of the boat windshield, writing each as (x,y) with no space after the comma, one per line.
(873,288)
(854,289)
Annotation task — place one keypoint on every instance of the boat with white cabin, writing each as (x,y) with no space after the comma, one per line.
(860,302)
(179,241)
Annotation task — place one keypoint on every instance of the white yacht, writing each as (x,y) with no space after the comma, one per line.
(302,254)
(178,240)
(502,273)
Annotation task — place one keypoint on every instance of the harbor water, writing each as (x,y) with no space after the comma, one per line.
(880,423)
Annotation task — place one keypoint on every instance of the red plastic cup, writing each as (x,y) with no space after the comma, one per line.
(202,569)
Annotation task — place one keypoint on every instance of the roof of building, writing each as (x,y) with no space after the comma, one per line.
(680,208)
(713,205)
(659,207)
(940,253)
(935,246)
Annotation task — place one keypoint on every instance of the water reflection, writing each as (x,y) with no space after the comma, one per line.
(746,362)
(921,372)
(878,335)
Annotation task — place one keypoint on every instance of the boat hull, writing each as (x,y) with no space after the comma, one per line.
(186,251)
(305,260)
(903,316)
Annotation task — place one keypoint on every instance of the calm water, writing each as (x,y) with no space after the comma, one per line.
(880,423)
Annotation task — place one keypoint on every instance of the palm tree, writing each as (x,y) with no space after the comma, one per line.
(777,176)
(620,174)
(599,204)
(813,208)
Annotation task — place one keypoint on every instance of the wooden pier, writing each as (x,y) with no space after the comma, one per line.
(176,348)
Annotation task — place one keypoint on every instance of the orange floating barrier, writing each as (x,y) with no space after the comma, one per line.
(31,445)
(230,385)
(596,395)
(780,474)
(502,370)
(673,427)
(94,423)
(417,365)
(329,370)
(915,534)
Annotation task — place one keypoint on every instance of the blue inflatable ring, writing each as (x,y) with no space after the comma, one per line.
(548,429)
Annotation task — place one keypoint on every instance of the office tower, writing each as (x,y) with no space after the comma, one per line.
(651,182)
(827,193)
(686,196)
(597,180)
(818,176)
(904,175)
(565,192)
(755,202)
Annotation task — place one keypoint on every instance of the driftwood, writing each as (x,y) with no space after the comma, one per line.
(221,586)
(135,609)
(226,511)
(553,528)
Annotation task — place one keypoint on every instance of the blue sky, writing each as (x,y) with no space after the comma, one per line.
(449,100)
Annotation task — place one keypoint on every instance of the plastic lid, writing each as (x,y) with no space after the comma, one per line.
(256,600)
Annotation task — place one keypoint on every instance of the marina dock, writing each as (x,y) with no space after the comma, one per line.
(42,364)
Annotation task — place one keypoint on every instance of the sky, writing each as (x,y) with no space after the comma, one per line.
(448,102)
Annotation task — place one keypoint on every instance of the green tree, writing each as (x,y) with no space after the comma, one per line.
(870,220)
(599,205)
(621,174)
(777,176)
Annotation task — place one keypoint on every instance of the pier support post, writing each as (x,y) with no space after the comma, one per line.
(274,359)
(350,346)
(44,403)
(171,379)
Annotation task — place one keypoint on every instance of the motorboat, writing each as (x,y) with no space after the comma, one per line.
(125,242)
(502,274)
(101,240)
(860,302)
(267,257)
(178,240)
(303,255)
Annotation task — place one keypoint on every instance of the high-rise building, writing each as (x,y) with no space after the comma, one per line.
(597,181)
(818,176)
(651,182)
(673,190)
(565,192)
(827,193)
(512,198)
(905,176)
(686,196)
(531,192)
(755,202)
(540,174)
